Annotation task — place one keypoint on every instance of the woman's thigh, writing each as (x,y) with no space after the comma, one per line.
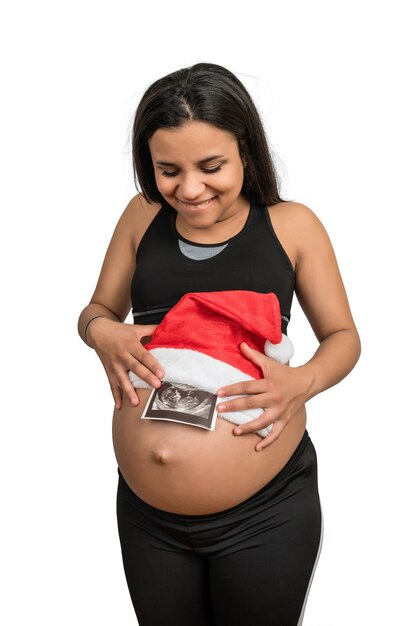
(267,580)
(173,590)
(266,585)
(167,584)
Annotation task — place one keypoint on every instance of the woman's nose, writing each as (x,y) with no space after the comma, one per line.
(191,186)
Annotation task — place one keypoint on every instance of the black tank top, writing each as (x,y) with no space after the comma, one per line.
(252,260)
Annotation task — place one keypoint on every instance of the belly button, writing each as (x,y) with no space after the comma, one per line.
(162,456)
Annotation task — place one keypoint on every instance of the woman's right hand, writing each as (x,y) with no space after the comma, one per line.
(120,348)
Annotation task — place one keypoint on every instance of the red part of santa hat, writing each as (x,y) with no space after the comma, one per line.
(216,323)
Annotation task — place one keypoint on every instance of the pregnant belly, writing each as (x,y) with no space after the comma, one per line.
(185,469)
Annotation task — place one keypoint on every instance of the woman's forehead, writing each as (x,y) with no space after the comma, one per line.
(196,139)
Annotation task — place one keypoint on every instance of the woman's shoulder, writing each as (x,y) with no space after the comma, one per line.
(293,213)
(137,216)
(297,227)
(140,210)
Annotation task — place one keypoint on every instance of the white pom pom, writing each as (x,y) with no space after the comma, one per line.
(281,352)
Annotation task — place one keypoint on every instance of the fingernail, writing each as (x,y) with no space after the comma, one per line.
(238,431)
(159,373)
(221,407)
(221,393)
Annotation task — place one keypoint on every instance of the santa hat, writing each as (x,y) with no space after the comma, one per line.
(198,342)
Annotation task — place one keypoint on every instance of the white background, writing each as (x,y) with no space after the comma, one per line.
(335,83)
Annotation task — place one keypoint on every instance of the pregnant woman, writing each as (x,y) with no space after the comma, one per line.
(217,527)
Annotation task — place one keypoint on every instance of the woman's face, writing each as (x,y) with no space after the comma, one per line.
(199,172)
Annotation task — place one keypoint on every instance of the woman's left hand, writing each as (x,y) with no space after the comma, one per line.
(281,392)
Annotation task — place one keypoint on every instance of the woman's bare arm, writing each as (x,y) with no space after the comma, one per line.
(119,345)
(322,296)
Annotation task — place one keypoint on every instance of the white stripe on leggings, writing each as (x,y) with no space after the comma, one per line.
(313,570)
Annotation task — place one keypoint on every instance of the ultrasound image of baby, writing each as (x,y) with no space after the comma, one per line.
(184,398)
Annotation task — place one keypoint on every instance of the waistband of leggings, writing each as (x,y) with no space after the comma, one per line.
(276,479)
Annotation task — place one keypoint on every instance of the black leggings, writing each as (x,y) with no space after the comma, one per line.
(249,564)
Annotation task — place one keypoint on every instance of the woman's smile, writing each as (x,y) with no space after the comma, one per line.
(194,205)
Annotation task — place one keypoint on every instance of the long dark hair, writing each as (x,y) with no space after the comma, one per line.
(208,93)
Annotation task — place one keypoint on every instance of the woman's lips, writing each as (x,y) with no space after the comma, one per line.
(193,205)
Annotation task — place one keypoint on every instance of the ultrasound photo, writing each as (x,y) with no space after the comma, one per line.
(177,402)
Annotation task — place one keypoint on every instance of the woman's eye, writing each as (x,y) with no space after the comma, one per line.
(168,173)
(211,170)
